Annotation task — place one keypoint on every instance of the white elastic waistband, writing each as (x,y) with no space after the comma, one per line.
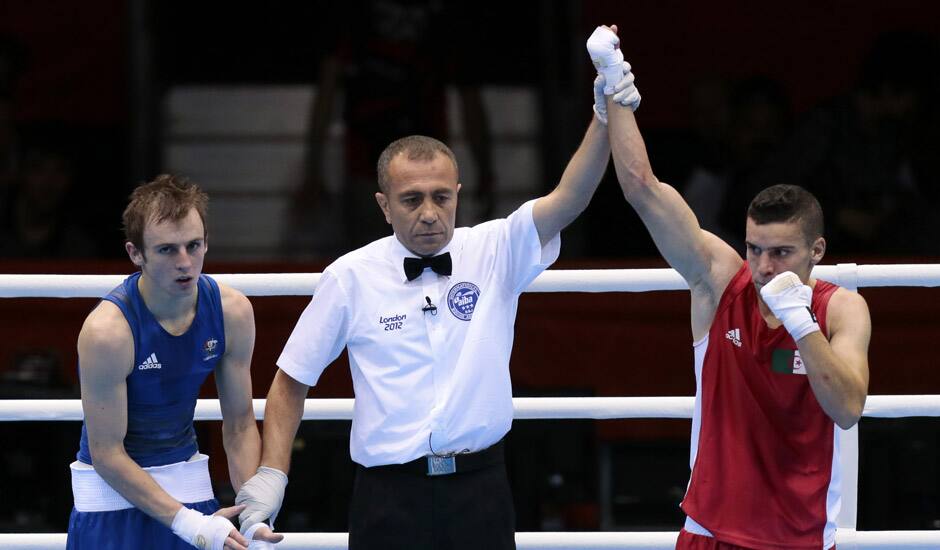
(693,527)
(185,481)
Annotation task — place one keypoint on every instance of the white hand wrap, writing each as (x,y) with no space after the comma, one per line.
(600,100)
(202,531)
(606,56)
(258,544)
(262,496)
(790,300)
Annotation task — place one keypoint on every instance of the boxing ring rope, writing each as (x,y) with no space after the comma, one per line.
(846,539)
(851,276)
(526,408)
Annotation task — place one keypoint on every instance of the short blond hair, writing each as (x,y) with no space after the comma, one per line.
(167,197)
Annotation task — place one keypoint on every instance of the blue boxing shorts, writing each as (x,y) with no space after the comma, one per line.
(126,529)
(103,520)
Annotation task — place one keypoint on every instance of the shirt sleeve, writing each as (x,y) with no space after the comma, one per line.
(527,257)
(320,334)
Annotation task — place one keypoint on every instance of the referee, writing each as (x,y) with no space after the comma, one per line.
(427,316)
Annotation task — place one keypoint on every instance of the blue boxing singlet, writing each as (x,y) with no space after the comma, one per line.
(168,372)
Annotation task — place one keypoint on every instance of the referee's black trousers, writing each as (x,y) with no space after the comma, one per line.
(395,508)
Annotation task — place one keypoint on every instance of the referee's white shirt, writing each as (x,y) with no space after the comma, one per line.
(423,380)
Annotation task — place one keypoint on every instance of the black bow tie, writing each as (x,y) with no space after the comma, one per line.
(440,264)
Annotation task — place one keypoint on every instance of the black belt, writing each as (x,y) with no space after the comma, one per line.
(436,465)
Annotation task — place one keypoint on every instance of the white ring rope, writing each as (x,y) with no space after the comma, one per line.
(556,280)
(526,408)
(846,539)
(849,275)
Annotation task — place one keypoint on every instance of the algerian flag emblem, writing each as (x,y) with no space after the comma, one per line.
(787,361)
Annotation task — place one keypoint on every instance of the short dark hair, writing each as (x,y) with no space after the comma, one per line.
(167,197)
(788,203)
(420,148)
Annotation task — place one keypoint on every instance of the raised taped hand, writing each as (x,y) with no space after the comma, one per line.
(791,301)
(603,48)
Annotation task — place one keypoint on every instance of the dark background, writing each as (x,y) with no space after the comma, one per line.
(82,84)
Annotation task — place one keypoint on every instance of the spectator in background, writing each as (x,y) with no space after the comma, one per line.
(38,221)
(734,128)
(738,128)
(11,61)
(870,156)
(9,148)
(386,57)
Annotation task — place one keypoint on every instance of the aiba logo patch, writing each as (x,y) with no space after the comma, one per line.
(208,349)
(462,300)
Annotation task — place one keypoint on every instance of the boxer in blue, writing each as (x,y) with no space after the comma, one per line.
(139,480)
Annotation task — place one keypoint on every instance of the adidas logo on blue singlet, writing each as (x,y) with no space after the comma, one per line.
(150,363)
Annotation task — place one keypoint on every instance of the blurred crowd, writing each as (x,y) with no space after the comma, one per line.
(868,153)
(49,171)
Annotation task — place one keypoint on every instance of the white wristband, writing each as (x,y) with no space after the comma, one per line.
(800,322)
